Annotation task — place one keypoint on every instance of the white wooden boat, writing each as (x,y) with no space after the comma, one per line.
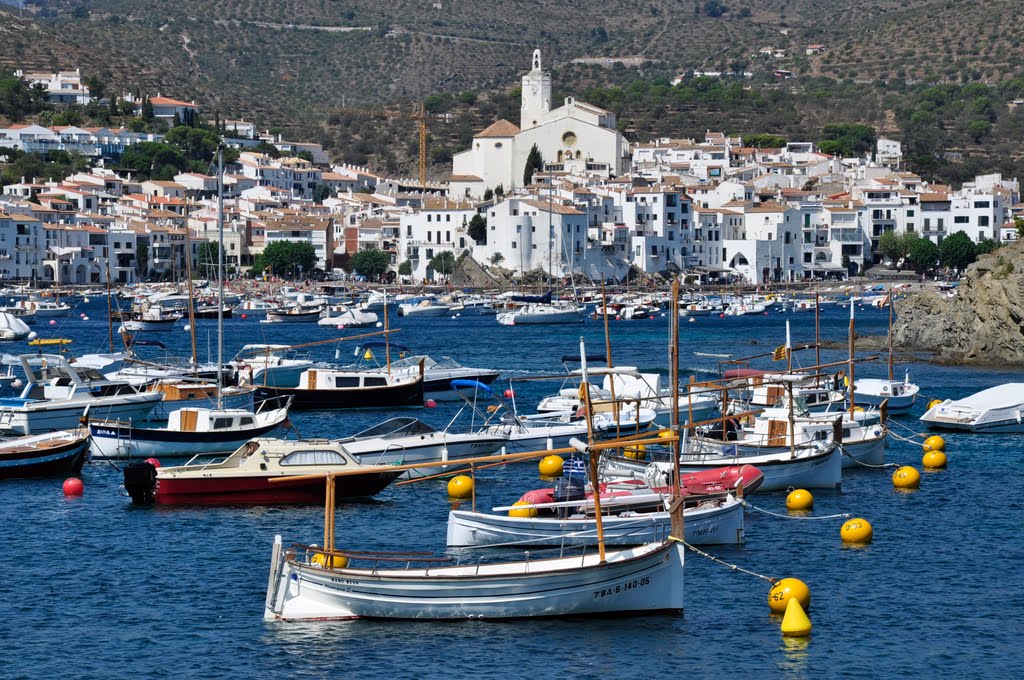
(56,397)
(180,393)
(44,309)
(270,365)
(997,409)
(541,313)
(424,308)
(644,580)
(151,318)
(712,522)
(189,432)
(900,394)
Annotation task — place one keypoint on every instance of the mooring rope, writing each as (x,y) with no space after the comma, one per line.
(883,466)
(747,504)
(734,567)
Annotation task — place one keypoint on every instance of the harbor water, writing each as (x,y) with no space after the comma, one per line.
(95,587)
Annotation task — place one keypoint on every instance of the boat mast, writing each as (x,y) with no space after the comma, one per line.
(890,333)
(592,454)
(789,385)
(110,319)
(191,301)
(608,358)
(387,334)
(674,368)
(817,335)
(220,274)
(850,360)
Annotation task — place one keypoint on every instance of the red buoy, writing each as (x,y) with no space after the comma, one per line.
(430,403)
(154,462)
(73,486)
(721,316)
(245,316)
(509,393)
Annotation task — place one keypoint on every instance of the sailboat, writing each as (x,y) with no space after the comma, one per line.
(192,430)
(900,394)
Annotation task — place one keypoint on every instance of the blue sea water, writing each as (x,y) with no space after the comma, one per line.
(94,587)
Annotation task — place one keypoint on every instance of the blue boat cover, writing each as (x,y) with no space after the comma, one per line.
(471,384)
(545,298)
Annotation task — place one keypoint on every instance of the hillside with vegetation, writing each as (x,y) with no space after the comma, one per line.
(941,75)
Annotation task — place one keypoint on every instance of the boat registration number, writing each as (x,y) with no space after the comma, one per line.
(622,587)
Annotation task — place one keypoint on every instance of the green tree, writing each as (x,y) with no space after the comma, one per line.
(148,157)
(1018,224)
(478,228)
(957,251)
(497,259)
(534,163)
(847,139)
(405,269)
(147,110)
(142,259)
(499,191)
(488,194)
(715,8)
(443,263)
(321,192)
(370,263)
(986,245)
(284,258)
(979,129)
(892,246)
(923,255)
(764,140)
(195,144)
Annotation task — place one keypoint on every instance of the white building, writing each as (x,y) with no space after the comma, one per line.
(575,137)
(440,225)
(62,87)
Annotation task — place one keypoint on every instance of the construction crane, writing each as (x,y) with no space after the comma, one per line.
(420,116)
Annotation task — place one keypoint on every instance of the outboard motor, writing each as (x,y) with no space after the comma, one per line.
(571,487)
(140,482)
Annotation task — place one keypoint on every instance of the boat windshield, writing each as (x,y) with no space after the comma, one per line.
(396,427)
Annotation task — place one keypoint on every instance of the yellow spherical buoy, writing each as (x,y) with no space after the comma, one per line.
(933,403)
(934,443)
(460,487)
(799,499)
(523,509)
(550,466)
(638,452)
(788,589)
(332,562)
(906,477)
(665,434)
(934,460)
(857,530)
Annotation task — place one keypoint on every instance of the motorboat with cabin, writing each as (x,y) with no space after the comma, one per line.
(329,388)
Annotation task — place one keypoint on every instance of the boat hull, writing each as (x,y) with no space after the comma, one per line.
(21,459)
(437,446)
(716,524)
(637,581)
(822,470)
(116,441)
(258,490)
(38,417)
(404,394)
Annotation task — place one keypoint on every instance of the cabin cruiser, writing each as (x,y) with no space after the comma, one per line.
(424,308)
(329,388)
(151,317)
(56,396)
(997,409)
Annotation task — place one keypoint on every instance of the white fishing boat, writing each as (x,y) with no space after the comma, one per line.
(438,374)
(56,397)
(270,365)
(189,432)
(182,393)
(540,313)
(817,465)
(424,308)
(256,308)
(710,522)
(44,309)
(294,314)
(900,394)
(151,318)
(997,409)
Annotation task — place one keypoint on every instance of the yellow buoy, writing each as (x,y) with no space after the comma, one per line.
(522,509)
(460,487)
(332,562)
(788,589)
(857,530)
(638,452)
(550,466)
(933,403)
(799,499)
(368,355)
(934,459)
(934,443)
(858,409)
(795,622)
(907,477)
(664,434)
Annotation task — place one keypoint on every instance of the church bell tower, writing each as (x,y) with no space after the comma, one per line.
(536,94)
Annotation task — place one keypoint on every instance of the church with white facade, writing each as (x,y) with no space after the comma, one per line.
(575,137)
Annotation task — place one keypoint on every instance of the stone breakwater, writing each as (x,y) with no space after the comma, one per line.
(982,324)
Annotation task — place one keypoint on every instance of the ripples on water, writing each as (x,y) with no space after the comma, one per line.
(94,587)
